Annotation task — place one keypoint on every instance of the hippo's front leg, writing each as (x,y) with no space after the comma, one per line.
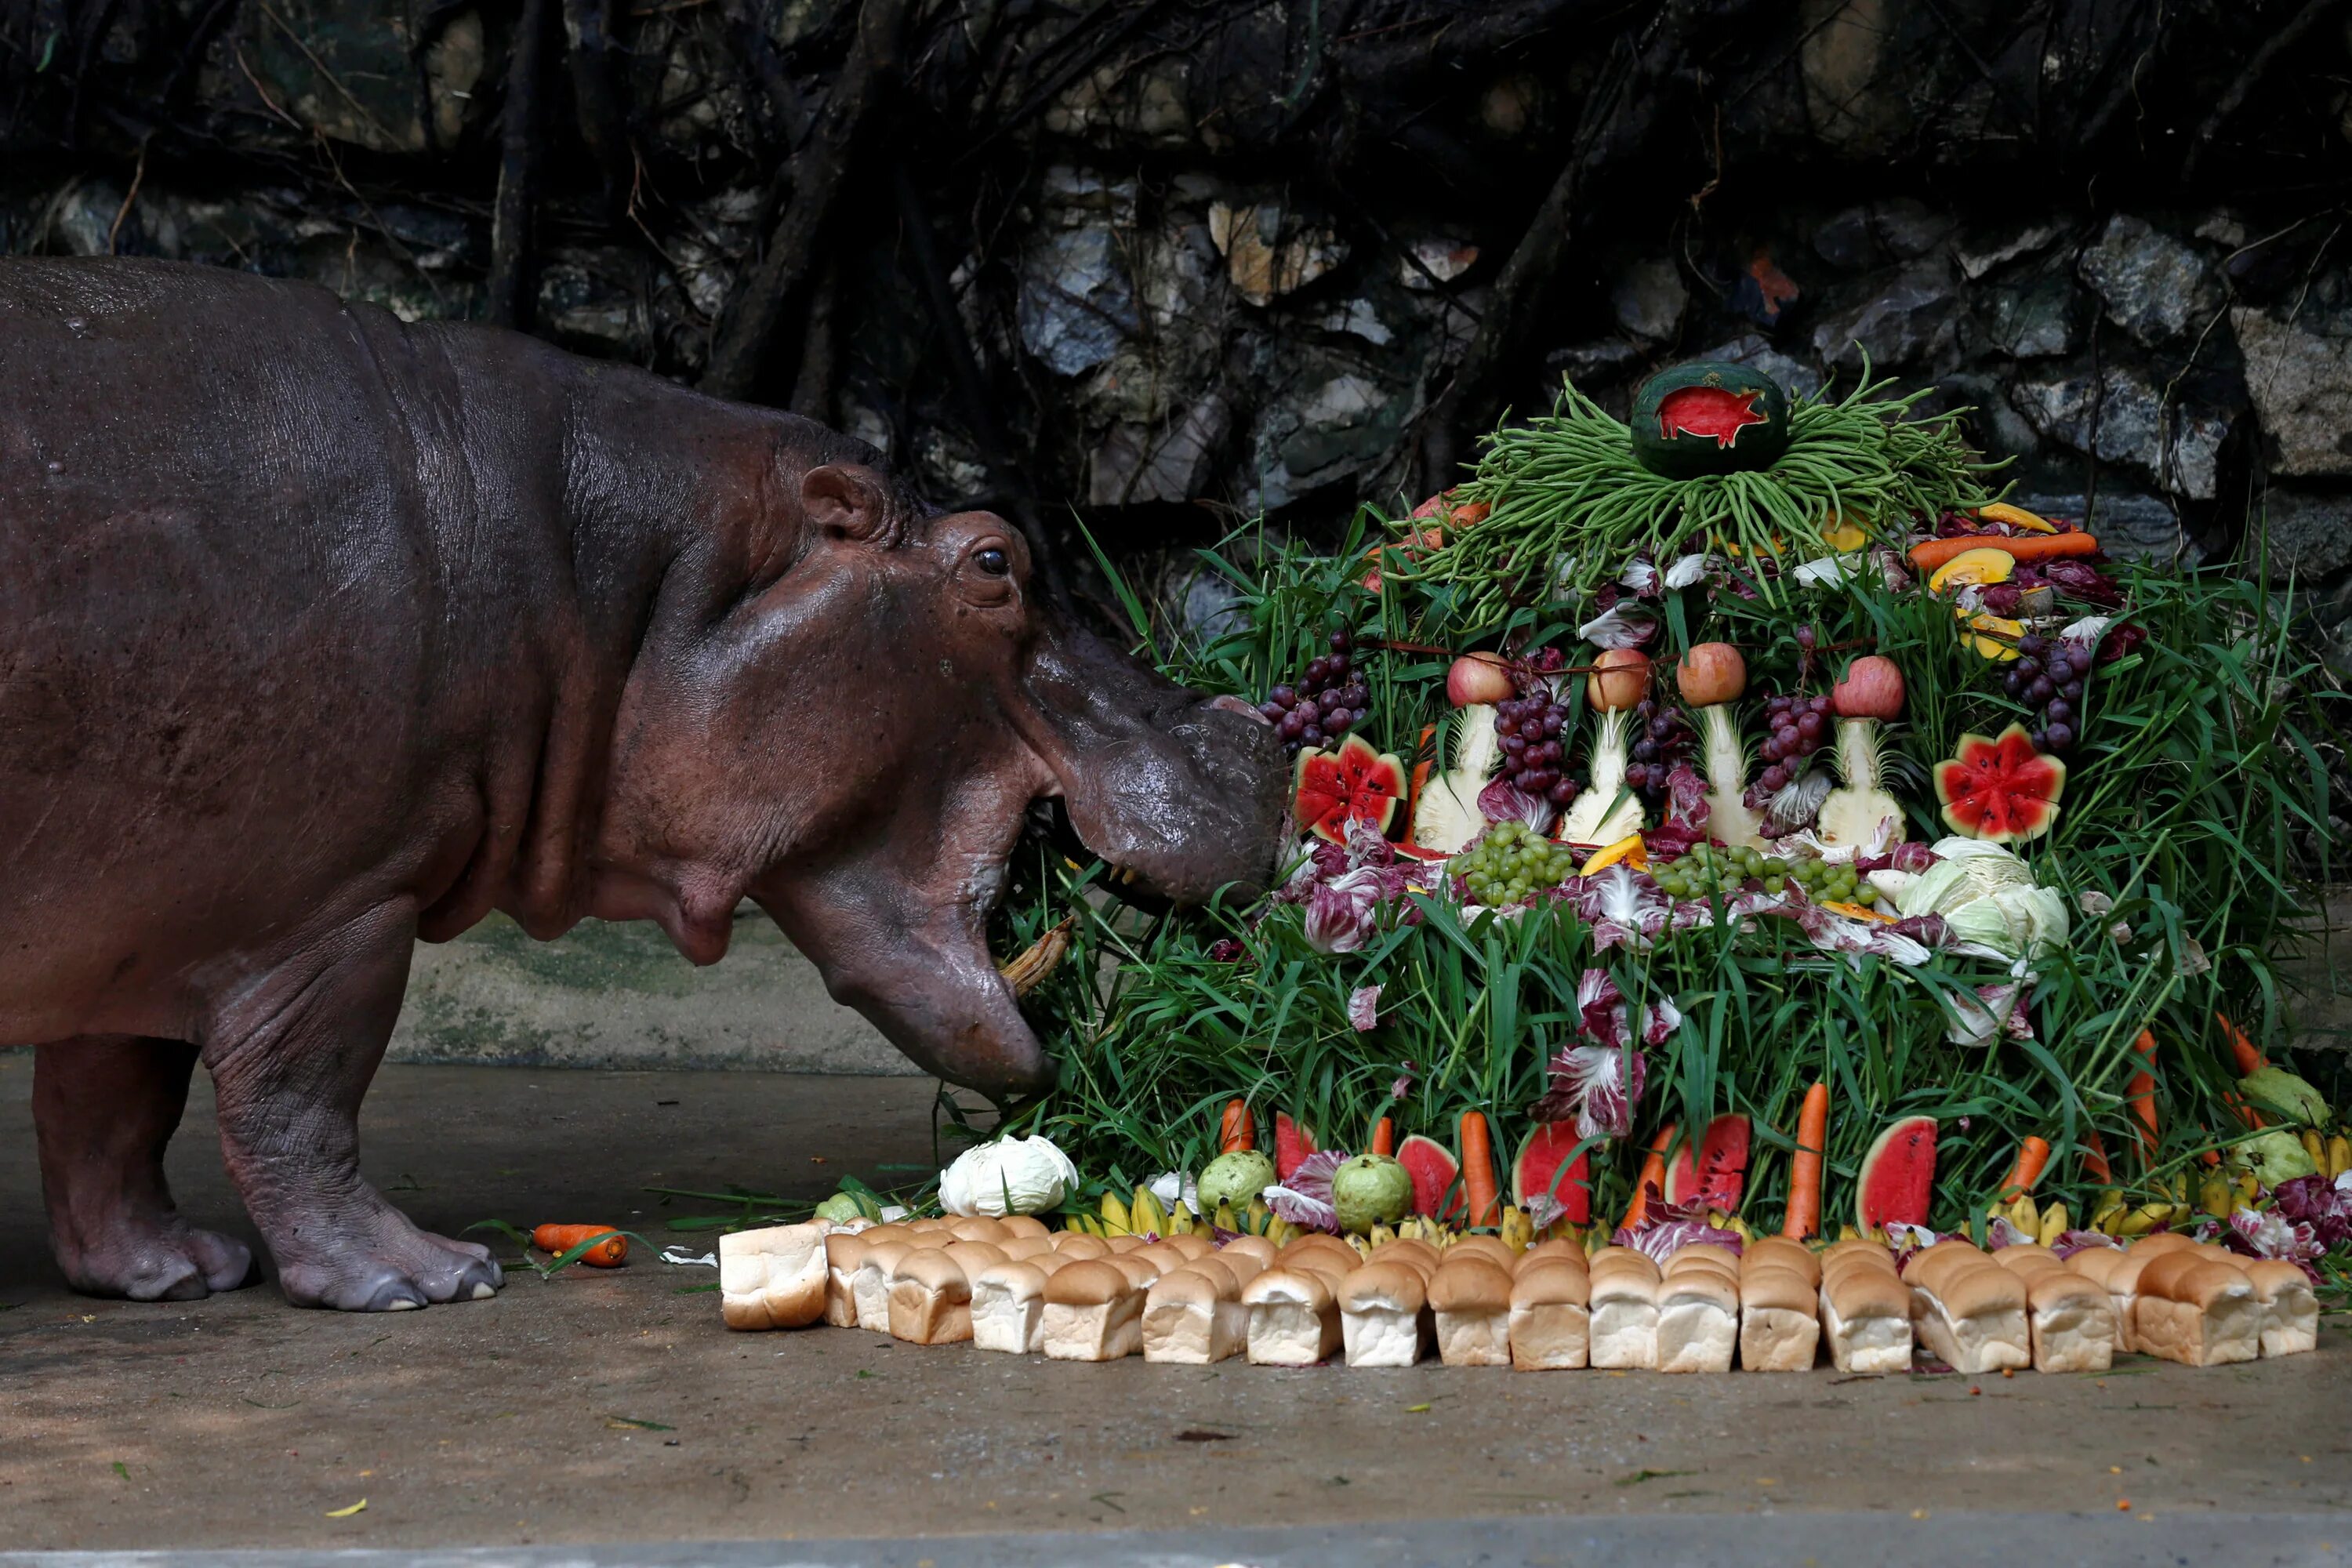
(290,1059)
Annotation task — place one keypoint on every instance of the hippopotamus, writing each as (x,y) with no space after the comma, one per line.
(321,632)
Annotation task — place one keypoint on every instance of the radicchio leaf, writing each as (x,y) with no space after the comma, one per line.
(1305,1199)
(1364,1008)
(2070,1242)
(1502,801)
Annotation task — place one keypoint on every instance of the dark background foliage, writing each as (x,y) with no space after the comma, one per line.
(1156,264)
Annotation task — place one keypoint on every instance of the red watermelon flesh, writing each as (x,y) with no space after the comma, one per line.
(1352,782)
(1436,1177)
(1707,411)
(1717,1173)
(1898,1175)
(2000,790)
(1537,1172)
(1292,1144)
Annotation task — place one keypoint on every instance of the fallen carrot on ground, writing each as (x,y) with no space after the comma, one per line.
(559,1239)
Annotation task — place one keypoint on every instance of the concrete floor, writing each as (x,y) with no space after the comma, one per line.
(612,1406)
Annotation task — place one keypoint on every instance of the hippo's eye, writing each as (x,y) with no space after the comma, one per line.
(993,561)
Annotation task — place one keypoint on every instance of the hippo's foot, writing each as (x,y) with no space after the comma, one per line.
(152,1259)
(365,1256)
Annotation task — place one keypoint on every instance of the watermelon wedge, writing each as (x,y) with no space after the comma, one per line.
(1898,1181)
(2000,790)
(1352,783)
(1717,1173)
(1543,1168)
(1436,1177)
(1292,1144)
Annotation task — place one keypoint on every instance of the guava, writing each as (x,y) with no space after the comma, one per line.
(842,1208)
(2273,1157)
(2282,1090)
(1370,1190)
(1234,1178)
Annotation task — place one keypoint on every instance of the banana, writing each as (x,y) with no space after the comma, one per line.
(2216,1196)
(2146,1219)
(1115,1217)
(2053,1225)
(1741,1229)
(1084,1224)
(1280,1231)
(1256,1217)
(1380,1235)
(1363,1248)
(1517,1229)
(2250,1188)
(1144,1217)
(2316,1147)
(1847,1233)
(2339,1156)
(2025,1216)
(1226,1218)
(2103,1213)
(1183,1221)
(1029,970)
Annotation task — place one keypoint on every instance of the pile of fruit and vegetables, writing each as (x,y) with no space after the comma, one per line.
(1739,832)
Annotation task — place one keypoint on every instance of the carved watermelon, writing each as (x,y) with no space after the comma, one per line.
(1292,1144)
(1538,1170)
(2000,790)
(1436,1177)
(1709,418)
(1898,1175)
(1718,1174)
(1354,781)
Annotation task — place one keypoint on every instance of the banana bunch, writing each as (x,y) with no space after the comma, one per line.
(2331,1157)
(1517,1229)
(1722,1220)
(2054,1224)
(1041,958)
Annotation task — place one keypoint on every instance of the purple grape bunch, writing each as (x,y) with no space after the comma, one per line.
(2047,676)
(1794,729)
(1328,701)
(1664,737)
(1530,727)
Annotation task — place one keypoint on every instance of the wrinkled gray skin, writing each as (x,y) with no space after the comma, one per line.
(320,633)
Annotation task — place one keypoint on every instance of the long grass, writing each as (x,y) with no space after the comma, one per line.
(2194,777)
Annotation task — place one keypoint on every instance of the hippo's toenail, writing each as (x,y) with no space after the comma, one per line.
(484,1292)
(404,1305)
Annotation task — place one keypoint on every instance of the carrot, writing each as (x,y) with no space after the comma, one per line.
(1653,1175)
(1934,552)
(1424,760)
(1478,1169)
(1239,1132)
(2249,1060)
(2032,1156)
(2094,1158)
(2139,1094)
(560,1239)
(1384,1136)
(1804,1216)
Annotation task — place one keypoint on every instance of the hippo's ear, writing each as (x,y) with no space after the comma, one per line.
(847,502)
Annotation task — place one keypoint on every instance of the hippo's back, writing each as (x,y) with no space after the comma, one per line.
(257,550)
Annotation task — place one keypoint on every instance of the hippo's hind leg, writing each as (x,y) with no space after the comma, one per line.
(104,1106)
(290,1060)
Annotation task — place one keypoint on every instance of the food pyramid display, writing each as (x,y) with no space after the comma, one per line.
(1759,900)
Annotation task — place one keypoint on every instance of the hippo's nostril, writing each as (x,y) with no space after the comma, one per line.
(1235,705)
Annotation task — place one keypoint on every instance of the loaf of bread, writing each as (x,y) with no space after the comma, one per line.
(773,1278)
(2073,1323)
(1624,1306)
(1194,1316)
(1969,1311)
(1008,1308)
(843,1251)
(1551,1316)
(2290,1307)
(1779,1314)
(1294,1317)
(1698,1311)
(1470,1308)
(1383,1314)
(869,1282)
(1092,1314)
(2189,1308)
(1786,1252)
(930,1297)
(1865,1310)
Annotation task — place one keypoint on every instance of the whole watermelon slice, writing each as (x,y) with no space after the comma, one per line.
(1544,1169)
(2000,790)
(1898,1181)
(1353,781)
(1436,1177)
(1718,1174)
